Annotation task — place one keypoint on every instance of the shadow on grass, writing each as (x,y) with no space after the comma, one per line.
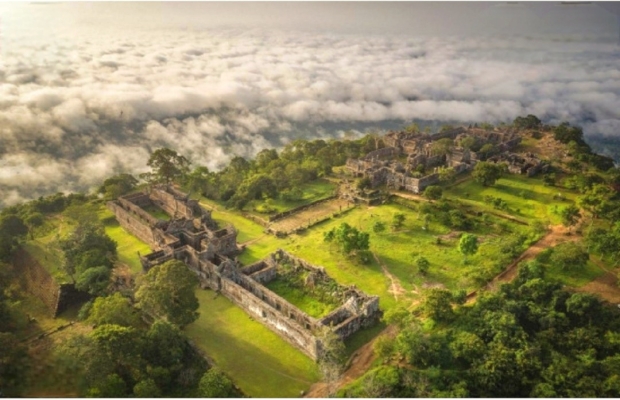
(260,362)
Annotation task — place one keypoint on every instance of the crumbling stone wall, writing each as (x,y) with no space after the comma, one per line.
(386,152)
(205,251)
(172,203)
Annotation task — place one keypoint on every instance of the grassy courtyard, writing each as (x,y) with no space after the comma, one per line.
(259,361)
(128,245)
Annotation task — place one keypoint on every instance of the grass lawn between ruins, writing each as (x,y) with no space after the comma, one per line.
(128,245)
(258,360)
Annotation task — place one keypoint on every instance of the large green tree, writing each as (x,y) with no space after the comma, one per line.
(215,384)
(487,173)
(167,165)
(114,309)
(349,238)
(167,291)
(468,244)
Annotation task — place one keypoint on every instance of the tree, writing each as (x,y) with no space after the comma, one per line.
(13,365)
(487,150)
(398,220)
(596,199)
(447,175)
(468,244)
(438,305)
(331,357)
(442,147)
(167,165)
(215,384)
(469,142)
(570,215)
(529,122)
(167,291)
(87,247)
(433,192)
(569,256)
(117,185)
(198,179)
(423,264)
(378,227)
(32,221)
(487,173)
(94,280)
(114,309)
(111,386)
(146,388)
(349,238)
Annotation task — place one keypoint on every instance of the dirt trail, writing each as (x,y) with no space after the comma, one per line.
(557,234)
(395,287)
(359,363)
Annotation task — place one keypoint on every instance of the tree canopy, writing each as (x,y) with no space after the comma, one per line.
(530,338)
(167,291)
(487,173)
(167,165)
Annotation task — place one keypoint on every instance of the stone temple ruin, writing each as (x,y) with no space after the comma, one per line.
(192,236)
(396,164)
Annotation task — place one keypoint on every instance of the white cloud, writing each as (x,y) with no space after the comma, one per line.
(72,114)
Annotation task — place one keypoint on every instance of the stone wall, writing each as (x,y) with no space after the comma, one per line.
(206,252)
(386,152)
(132,223)
(172,203)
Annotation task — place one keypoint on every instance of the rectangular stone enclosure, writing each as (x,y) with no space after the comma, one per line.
(192,236)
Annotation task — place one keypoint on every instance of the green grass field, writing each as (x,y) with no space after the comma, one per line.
(259,361)
(128,245)
(311,305)
(527,198)
(157,212)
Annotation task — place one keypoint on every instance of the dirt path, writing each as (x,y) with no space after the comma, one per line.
(359,363)
(395,287)
(557,234)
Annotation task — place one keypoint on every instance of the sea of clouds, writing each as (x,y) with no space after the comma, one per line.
(77,108)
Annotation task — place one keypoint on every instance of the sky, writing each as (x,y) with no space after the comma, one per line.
(88,90)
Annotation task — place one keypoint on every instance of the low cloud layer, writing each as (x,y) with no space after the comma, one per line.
(75,109)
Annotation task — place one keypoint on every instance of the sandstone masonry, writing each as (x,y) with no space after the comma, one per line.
(192,236)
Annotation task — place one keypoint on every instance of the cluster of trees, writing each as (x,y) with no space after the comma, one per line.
(273,174)
(488,173)
(605,242)
(350,240)
(529,339)
(578,148)
(529,122)
(14,359)
(127,359)
(89,255)
(123,356)
(448,214)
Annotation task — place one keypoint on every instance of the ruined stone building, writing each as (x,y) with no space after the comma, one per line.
(193,237)
(386,165)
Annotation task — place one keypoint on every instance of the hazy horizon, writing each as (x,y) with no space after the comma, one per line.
(88,89)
